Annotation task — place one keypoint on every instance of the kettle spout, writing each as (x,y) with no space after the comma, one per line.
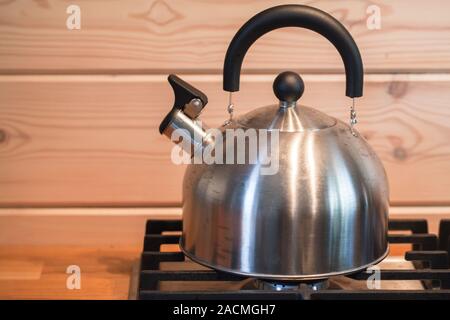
(182,121)
(193,133)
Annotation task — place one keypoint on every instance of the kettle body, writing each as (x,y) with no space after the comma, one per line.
(322,212)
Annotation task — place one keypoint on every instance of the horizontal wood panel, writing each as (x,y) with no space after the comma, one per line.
(124,226)
(93,140)
(148,35)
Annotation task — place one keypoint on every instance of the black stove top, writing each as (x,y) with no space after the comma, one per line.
(170,275)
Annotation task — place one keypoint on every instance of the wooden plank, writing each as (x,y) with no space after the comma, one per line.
(79,226)
(20,269)
(144,36)
(93,140)
(116,227)
(105,271)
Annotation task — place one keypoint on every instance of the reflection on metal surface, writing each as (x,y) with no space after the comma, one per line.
(324,213)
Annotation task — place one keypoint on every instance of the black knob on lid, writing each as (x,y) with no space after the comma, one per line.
(288,86)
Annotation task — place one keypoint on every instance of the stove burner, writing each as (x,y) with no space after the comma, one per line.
(260,284)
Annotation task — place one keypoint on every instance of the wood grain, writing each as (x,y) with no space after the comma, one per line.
(84,140)
(118,227)
(144,36)
(79,226)
(20,269)
(105,271)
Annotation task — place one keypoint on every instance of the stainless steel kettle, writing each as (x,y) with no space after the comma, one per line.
(323,213)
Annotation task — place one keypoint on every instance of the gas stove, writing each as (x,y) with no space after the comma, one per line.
(422,273)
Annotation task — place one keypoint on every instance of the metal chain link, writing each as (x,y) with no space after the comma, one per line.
(230,109)
(353,120)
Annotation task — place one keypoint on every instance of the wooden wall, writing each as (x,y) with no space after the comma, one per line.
(79,109)
(151,36)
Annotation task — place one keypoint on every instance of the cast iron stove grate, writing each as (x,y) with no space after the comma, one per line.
(430,256)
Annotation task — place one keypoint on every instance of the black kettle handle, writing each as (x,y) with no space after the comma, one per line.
(294,16)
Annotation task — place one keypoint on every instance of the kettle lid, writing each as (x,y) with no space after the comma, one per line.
(288,116)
